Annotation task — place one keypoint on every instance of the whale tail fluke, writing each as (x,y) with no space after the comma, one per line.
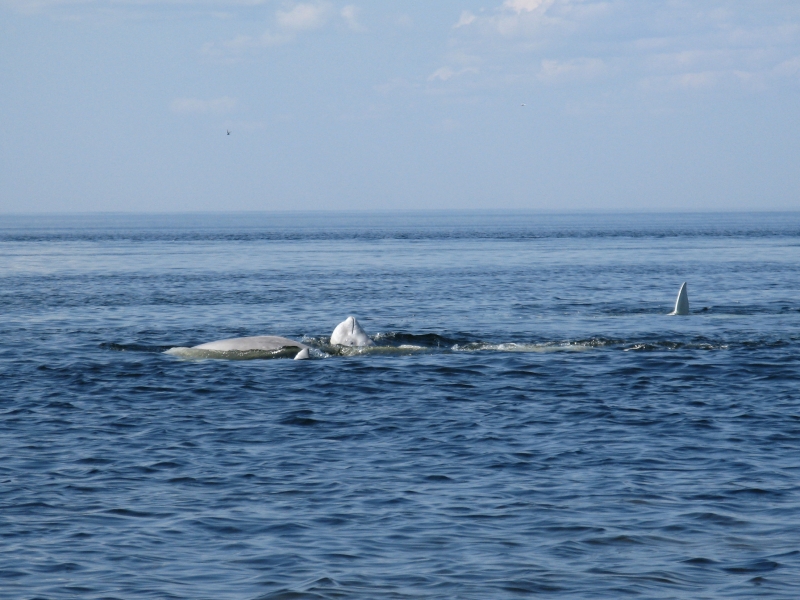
(682,303)
(302,355)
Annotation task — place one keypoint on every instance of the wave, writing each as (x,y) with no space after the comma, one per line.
(458,225)
(389,234)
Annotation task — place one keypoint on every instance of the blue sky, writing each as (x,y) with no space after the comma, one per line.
(123,105)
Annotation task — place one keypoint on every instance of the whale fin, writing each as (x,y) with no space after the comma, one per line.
(302,355)
(682,303)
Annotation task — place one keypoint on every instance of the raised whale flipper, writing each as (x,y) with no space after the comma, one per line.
(302,355)
(259,342)
(682,303)
(349,333)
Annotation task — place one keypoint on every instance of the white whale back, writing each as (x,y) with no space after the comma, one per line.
(261,342)
(349,333)
(682,303)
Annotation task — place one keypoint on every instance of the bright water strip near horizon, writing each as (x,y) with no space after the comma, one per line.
(531,423)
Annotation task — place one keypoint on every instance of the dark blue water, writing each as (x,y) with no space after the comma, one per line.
(531,422)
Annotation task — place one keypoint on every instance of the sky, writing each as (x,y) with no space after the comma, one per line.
(552,105)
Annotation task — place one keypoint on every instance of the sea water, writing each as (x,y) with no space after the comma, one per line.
(530,423)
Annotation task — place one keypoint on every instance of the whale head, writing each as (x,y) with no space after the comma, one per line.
(349,333)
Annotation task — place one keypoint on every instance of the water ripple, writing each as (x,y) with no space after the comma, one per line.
(531,423)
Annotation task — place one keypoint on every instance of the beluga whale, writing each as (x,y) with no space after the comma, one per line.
(269,343)
(682,302)
(349,333)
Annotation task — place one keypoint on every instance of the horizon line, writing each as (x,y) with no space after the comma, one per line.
(393,211)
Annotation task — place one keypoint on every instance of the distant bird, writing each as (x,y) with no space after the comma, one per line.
(229,131)
(523,104)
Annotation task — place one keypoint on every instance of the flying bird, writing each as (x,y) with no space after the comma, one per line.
(523,104)
(229,131)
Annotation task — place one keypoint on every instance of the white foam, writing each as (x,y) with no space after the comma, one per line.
(515,347)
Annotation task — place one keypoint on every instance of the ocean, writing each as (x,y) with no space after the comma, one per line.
(530,423)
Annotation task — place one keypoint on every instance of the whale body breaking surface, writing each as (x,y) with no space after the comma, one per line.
(245,344)
(260,346)
(347,334)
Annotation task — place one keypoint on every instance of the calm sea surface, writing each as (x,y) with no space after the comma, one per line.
(531,423)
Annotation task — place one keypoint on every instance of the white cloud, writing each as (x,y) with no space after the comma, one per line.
(580,69)
(465,19)
(692,60)
(242,42)
(196,106)
(291,21)
(443,74)
(304,17)
(394,85)
(350,15)
(73,9)
(519,6)
(404,21)
(229,49)
(447,73)
(788,68)
(516,17)
(690,81)
(273,39)
(661,45)
(530,18)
